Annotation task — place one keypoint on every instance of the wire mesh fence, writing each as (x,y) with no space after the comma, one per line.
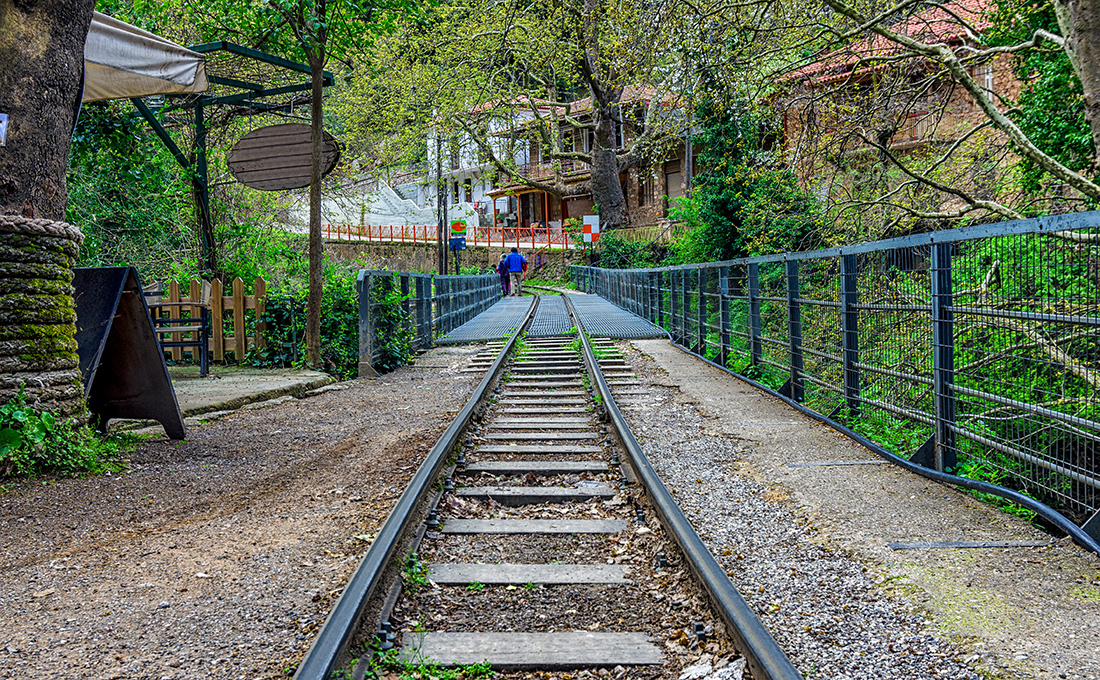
(972,351)
(414,309)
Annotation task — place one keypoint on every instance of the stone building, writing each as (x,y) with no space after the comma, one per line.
(853,108)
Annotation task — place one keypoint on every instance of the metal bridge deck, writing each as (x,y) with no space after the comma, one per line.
(495,323)
(601,319)
(550,318)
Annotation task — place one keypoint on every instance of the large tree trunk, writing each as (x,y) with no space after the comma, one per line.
(607,191)
(1079,21)
(316,253)
(42,52)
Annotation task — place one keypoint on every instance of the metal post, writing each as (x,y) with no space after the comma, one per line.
(849,314)
(660,292)
(794,331)
(366,327)
(724,323)
(703,283)
(673,300)
(206,224)
(943,357)
(755,348)
(405,298)
(685,308)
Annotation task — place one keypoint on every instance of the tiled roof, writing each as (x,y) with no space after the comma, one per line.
(951,23)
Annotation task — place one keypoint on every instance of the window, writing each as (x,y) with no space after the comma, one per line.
(645,186)
(674,179)
(983,75)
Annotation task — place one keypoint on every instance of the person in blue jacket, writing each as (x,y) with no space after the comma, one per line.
(517,264)
(502,269)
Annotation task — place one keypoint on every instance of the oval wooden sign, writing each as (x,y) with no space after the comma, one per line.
(277,157)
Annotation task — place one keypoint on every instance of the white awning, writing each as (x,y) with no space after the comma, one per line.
(122,61)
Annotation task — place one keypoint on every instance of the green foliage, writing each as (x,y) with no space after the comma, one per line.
(393,333)
(423,669)
(745,202)
(475,586)
(618,253)
(127,194)
(285,317)
(415,572)
(1051,109)
(34,443)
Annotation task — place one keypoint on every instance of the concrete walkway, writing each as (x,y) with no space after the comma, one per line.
(229,388)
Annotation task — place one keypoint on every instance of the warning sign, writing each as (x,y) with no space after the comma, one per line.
(590,228)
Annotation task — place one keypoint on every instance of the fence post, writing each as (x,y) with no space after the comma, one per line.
(195,290)
(685,308)
(724,315)
(701,332)
(366,328)
(259,292)
(943,357)
(405,300)
(217,319)
(673,303)
(794,331)
(240,338)
(755,348)
(658,278)
(849,299)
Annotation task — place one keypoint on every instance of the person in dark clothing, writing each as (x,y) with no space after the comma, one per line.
(516,266)
(502,269)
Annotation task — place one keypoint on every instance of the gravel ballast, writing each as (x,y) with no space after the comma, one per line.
(806,546)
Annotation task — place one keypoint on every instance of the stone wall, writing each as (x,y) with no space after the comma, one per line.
(37,316)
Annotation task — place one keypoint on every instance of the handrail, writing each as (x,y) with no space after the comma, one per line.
(476,235)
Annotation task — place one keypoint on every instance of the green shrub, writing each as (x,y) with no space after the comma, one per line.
(285,319)
(34,443)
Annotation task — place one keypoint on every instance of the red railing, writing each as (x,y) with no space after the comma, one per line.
(504,237)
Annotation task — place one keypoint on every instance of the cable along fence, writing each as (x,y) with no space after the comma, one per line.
(401,312)
(971,351)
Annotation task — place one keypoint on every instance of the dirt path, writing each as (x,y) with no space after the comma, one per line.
(218,556)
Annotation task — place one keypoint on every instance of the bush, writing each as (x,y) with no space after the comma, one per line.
(34,443)
(285,319)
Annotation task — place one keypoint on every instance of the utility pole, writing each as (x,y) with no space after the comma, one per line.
(440,252)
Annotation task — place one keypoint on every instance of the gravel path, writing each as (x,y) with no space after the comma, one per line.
(218,556)
(806,546)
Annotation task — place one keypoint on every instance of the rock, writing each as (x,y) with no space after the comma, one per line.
(697,671)
(163,605)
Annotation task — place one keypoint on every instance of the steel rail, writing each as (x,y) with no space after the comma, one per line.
(766,660)
(334,637)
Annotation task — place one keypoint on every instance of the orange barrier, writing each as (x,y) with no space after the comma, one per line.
(504,237)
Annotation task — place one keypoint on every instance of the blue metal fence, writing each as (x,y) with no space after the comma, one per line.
(971,350)
(432,305)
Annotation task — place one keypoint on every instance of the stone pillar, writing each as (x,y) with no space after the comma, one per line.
(37,316)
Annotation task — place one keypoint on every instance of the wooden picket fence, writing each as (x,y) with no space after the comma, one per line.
(227,314)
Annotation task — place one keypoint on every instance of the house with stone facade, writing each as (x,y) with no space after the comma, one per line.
(469,177)
(859,104)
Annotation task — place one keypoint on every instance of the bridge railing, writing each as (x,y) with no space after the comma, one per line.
(429,306)
(502,237)
(970,350)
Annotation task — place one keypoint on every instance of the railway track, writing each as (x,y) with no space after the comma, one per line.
(537,538)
